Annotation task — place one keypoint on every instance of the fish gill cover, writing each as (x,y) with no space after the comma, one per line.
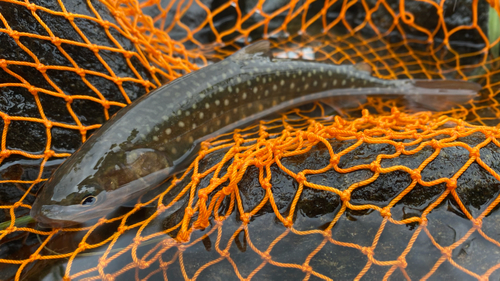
(375,192)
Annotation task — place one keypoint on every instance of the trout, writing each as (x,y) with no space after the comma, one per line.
(157,135)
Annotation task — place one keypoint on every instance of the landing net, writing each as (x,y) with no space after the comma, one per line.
(378,192)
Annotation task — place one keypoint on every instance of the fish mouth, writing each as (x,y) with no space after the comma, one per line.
(55,216)
(45,221)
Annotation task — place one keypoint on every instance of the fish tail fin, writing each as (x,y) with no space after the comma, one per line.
(439,95)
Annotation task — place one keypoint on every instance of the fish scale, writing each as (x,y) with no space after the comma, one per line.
(155,137)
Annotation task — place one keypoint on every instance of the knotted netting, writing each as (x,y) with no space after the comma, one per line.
(375,192)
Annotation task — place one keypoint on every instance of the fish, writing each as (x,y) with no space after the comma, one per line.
(157,135)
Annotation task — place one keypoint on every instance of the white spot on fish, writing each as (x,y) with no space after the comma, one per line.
(187,113)
(194,106)
(217,102)
(275,87)
(226,102)
(249,83)
(292,85)
(237,90)
(168,131)
(224,75)
(324,85)
(201,115)
(155,138)
(282,82)
(306,86)
(266,93)
(174,151)
(157,129)
(315,83)
(255,90)
(164,117)
(181,124)
(343,82)
(190,139)
(309,74)
(230,89)
(334,82)
(207,106)
(238,79)
(244,96)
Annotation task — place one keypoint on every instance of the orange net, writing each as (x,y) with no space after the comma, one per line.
(377,193)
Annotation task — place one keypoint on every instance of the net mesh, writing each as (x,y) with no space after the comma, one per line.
(393,195)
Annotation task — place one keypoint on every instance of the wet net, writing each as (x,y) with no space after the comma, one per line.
(375,192)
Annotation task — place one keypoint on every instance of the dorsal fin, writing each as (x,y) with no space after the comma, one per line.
(258,49)
(364,66)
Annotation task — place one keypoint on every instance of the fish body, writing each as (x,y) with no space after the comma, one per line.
(148,141)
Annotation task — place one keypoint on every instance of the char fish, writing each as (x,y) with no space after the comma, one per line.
(151,139)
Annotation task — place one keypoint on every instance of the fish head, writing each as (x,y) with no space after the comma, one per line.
(96,180)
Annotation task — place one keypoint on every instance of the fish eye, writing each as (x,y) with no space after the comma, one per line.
(89,200)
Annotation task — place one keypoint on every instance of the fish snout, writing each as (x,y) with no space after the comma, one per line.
(49,216)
